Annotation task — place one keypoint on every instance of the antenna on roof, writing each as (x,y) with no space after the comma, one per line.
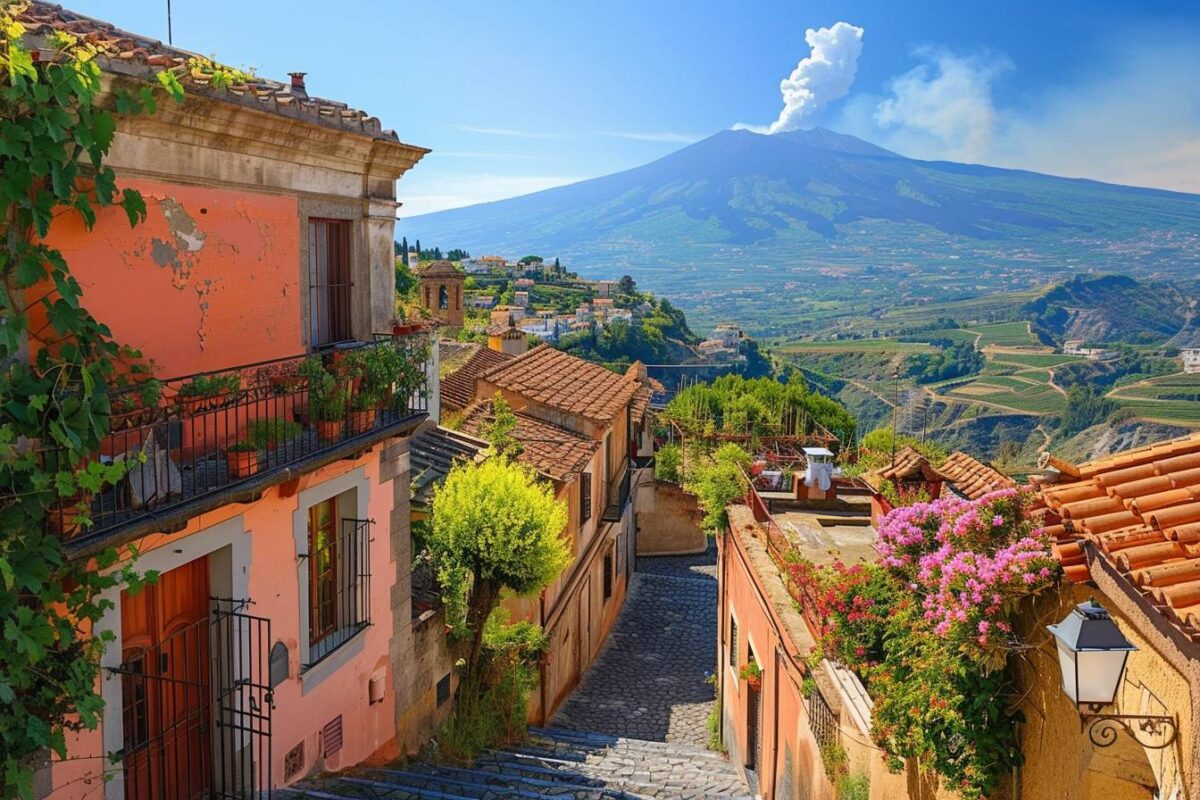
(170,39)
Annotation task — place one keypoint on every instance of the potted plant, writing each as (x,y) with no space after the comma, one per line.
(206,392)
(135,405)
(751,673)
(241,458)
(327,399)
(283,378)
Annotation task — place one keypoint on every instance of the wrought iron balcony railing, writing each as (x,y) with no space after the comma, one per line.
(198,442)
(618,496)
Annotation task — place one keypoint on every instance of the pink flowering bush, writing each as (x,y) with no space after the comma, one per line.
(971,563)
(929,628)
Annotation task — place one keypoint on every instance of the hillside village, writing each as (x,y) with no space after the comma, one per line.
(310,515)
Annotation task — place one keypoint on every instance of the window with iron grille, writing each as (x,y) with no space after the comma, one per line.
(821,720)
(733,643)
(608,574)
(339,577)
(329,281)
(585,497)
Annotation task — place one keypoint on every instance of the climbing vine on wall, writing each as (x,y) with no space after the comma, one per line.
(57,366)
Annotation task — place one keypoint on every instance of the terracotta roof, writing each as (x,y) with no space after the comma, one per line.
(501,329)
(1141,508)
(458,387)
(908,464)
(440,269)
(564,382)
(136,56)
(433,451)
(641,403)
(557,453)
(971,477)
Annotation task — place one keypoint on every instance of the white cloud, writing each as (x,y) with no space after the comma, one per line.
(512,132)
(948,98)
(1135,120)
(654,136)
(824,75)
(424,194)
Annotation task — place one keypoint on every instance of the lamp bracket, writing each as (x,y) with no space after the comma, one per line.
(1150,731)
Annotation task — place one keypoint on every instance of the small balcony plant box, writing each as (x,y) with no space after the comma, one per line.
(208,392)
(751,673)
(242,459)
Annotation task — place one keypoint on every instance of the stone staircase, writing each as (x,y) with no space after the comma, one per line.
(556,763)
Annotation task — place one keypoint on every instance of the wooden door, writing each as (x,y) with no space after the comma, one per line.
(166,689)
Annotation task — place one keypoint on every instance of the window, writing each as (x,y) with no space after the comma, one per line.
(443,297)
(608,574)
(338,576)
(733,643)
(329,281)
(585,497)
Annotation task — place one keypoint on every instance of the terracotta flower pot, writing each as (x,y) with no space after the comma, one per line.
(361,421)
(241,463)
(329,430)
(193,404)
(754,683)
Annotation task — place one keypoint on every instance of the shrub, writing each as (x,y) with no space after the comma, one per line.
(717,480)
(853,787)
(668,461)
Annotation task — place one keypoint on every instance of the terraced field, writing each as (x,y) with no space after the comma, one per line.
(856,346)
(1171,398)
(1006,334)
(1033,359)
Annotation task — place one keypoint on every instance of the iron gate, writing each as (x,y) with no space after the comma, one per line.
(197,708)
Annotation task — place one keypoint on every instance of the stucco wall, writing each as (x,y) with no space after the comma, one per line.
(261,563)
(1061,762)
(668,521)
(211,278)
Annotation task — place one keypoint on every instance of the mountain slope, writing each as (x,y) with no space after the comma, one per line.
(1111,308)
(793,202)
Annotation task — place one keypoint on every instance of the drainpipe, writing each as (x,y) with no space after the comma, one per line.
(723,557)
(542,660)
(775,721)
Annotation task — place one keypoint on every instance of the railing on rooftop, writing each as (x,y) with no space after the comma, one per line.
(213,433)
(618,495)
(783,554)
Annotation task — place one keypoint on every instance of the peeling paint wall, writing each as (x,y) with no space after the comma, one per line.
(211,279)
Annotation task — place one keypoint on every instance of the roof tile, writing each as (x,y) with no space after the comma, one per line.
(557,453)
(1141,509)
(564,382)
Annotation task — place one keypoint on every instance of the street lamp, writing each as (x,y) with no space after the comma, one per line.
(1092,653)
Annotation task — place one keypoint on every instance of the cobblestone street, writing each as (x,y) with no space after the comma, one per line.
(648,681)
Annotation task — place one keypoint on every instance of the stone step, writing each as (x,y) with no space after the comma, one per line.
(567,737)
(483,784)
(342,787)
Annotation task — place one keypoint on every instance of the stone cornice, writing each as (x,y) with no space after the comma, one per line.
(238,127)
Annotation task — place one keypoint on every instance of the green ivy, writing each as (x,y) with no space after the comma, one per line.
(59,364)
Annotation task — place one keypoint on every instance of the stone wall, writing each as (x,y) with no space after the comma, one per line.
(667,521)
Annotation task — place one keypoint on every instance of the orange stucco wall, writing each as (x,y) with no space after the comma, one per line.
(211,279)
(300,710)
(791,765)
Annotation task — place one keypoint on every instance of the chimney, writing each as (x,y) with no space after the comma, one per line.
(298,84)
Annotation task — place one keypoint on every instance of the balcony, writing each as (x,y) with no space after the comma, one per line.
(202,441)
(618,496)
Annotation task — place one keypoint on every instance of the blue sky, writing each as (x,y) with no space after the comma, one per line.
(519,96)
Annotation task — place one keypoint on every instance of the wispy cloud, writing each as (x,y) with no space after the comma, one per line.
(654,136)
(441,192)
(512,132)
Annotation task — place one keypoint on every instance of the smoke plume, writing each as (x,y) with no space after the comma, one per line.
(823,76)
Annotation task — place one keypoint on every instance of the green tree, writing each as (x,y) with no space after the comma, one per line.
(496,527)
(500,429)
(717,480)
